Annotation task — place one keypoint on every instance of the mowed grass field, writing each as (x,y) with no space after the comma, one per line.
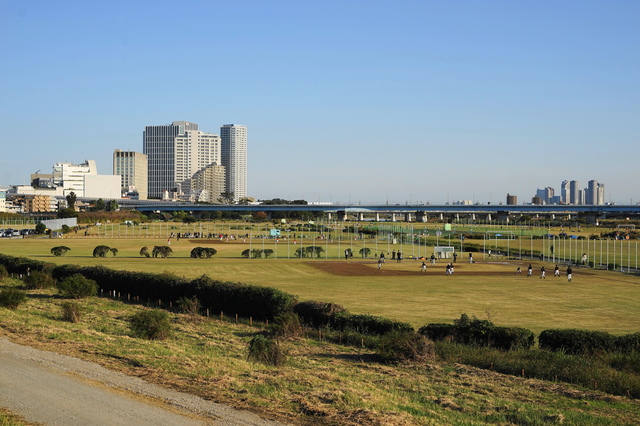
(488,289)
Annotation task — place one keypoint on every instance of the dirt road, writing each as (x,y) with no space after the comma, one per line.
(54,389)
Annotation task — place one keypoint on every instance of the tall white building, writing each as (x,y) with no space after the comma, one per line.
(595,193)
(132,168)
(234,158)
(175,152)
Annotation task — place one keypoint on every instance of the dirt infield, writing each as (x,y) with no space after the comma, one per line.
(370,269)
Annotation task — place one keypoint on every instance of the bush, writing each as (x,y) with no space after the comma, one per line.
(77,286)
(317,314)
(151,325)
(438,331)
(477,332)
(311,251)
(577,342)
(11,298)
(3,272)
(286,325)
(368,324)
(38,280)
(101,251)
(406,346)
(60,250)
(265,350)
(628,343)
(144,251)
(203,252)
(71,312)
(161,251)
(189,306)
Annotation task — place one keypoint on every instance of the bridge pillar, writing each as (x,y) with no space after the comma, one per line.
(342,216)
(592,218)
(503,216)
(473,216)
(393,217)
(407,217)
(458,216)
(489,218)
(553,216)
(421,217)
(329,215)
(360,217)
(441,216)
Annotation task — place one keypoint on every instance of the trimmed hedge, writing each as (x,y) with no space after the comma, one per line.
(480,333)
(261,303)
(22,265)
(320,314)
(577,342)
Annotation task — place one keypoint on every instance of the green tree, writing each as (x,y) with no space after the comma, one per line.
(67,213)
(101,251)
(113,206)
(71,200)
(60,250)
(41,228)
(100,205)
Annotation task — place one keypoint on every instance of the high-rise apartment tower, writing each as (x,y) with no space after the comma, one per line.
(175,152)
(234,158)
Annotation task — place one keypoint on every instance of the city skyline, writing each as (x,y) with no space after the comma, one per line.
(426,101)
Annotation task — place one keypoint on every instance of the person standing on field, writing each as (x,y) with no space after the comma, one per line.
(569,272)
(529,270)
(423,267)
(543,273)
(556,271)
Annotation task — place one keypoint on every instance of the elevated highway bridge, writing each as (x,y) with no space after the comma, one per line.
(406,212)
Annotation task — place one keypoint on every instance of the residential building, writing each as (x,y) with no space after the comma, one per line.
(234,158)
(175,152)
(512,199)
(3,200)
(565,193)
(84,180)
(207,183)
(574,192)
(595,193)
(132,167)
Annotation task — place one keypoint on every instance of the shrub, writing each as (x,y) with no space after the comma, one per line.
(573,341)
(628,343)
(3,272)
(265,350)
(257,253)
(101,251)
(203,252)
(144,251)
(189,306)
(60,250)
(438,331)
(368,324)
(317,314)
(364,252)
(38,280)
(71,312)
(161,251)
(406,346)
(311,251)
(77,286)
(286,325)
(114,251)
(151,325)
(11,298)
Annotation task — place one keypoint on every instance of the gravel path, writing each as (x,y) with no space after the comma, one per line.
(54,389)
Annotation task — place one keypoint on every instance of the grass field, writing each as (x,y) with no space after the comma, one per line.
(488,289)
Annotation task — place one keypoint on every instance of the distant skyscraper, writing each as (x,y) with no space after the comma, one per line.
(574,192)
(133,170)
(512,200)
(595,193)
(546,194)
(175,152)
(234,158)
(565,192)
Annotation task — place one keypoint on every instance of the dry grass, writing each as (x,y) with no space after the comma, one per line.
(321,384)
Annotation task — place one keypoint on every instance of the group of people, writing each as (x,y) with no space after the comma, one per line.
(543,272)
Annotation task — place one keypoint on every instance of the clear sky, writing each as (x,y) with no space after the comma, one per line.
(361,101)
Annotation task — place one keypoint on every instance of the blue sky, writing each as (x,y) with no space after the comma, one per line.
(367,101)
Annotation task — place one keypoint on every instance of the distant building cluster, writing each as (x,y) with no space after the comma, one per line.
(178,162)
(571,193)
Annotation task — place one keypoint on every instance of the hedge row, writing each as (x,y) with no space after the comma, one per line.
(22,265)
(481,333)
(577,342)
(320,315)
(260,303)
